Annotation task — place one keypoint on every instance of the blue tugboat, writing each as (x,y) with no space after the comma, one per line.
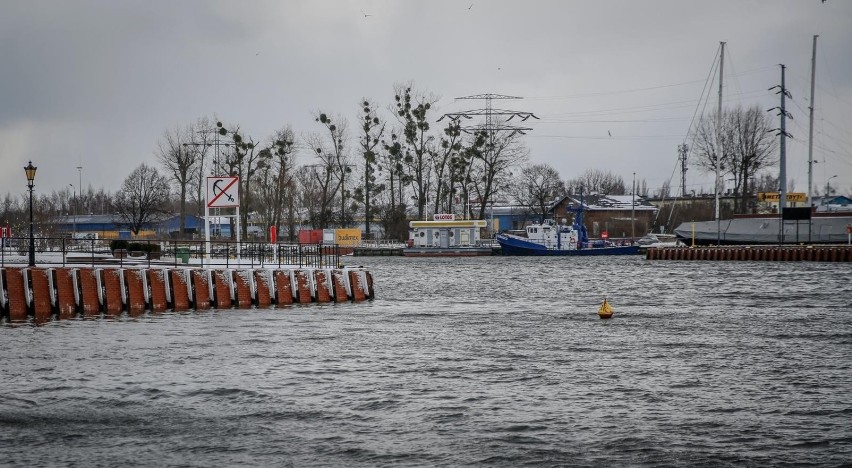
(549,238)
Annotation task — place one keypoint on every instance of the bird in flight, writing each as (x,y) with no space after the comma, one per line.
(365,14)
(471,5)
(609,133)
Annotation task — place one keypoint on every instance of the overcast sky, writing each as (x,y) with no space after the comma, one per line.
(614,82)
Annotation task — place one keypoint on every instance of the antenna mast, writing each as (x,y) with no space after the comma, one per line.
(683,150)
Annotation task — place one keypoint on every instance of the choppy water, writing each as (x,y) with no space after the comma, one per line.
(487,361)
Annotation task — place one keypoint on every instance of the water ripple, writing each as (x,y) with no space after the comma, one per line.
(492,361)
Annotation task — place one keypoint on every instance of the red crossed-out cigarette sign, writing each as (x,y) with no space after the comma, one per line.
(222,192)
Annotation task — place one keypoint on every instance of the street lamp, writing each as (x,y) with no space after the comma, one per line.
(74,195)
(828,186)
(31,172)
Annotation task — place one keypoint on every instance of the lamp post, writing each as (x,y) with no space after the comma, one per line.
(74,226)
(31,172)
(828,186)
(633,212)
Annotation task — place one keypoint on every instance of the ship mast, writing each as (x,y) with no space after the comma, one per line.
(719,145)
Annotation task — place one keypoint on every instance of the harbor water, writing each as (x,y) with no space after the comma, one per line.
(489,361)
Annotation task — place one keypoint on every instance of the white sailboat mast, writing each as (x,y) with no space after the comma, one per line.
(719,144)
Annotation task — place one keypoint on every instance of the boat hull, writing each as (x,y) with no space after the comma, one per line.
(446,251)
(766,230)
(516,246)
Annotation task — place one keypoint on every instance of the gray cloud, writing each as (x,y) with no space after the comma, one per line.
(97,82)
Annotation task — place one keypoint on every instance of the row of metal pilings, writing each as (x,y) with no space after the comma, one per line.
(63,293)
(795,253)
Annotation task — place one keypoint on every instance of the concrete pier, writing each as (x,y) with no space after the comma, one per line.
(755,253)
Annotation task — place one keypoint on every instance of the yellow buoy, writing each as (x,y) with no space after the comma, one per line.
(605,310)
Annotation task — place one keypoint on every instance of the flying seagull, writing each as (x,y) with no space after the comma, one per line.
(609,133)
(471,5)
(365,14)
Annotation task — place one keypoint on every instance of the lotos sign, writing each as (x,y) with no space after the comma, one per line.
(444,217)
(796,197)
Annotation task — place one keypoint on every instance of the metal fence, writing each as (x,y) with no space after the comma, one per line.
(62,251)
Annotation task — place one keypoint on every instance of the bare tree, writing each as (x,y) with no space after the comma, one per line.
(665,190)
(490,168)
(745,146)
(463,167)
(242,161)
(276,186)
(143,198)
(536,187)
(766,182)
(597,181)
(393,207)
(372,129)
(446,156)
(412,110)
(180,160)
(204,140)
(642,188)
(330,172)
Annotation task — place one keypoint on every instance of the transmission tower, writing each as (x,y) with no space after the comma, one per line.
(491,125)
(782,132)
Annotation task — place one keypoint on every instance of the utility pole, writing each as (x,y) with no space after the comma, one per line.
(80,186)
(682,150)
(782,111)
(782,132)
(74,226)
(491,126)
(633,212)
(811,128)
(719,144)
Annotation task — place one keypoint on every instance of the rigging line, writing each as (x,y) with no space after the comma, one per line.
(661,119)
(650,88)
(645,108)
(605,93)
(824,120)
(838,141)
(630,137)
(666,183)
(825,147)
(733,75)
(708,80)
(824,60)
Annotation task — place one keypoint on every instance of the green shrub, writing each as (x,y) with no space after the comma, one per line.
(152,247)
(117,244)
